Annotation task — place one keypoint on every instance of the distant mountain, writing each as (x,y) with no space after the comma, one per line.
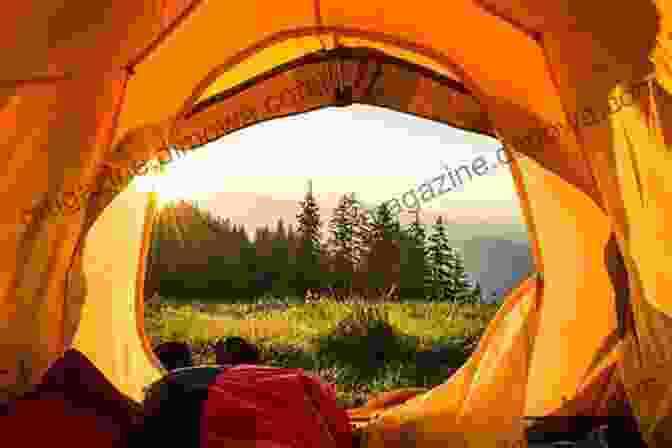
(496,250)
(499,264)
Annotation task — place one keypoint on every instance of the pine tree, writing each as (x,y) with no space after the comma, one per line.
(440,261)
(310,246)
(343,244)
(416,271)
(362,225)
(280,260)
(383,257)
(244,282)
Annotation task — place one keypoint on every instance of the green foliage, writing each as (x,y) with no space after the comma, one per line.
(441,263)
(446,278)
(415,265)
(194,253)
(342,243)
(383,250)
(362,348)
(310,246)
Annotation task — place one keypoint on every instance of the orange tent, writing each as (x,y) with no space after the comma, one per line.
(578,91)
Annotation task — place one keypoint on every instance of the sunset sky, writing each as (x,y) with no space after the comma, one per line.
(375,152)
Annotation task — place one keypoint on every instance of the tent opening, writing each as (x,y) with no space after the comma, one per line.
(397,234)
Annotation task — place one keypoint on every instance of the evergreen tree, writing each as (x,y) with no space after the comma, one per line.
(362,223)
(280,261)
(440,261)
(309,244)
(416,270)
(244,281)
(342,227)
(383,257)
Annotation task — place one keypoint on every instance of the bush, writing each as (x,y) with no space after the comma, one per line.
(365,341)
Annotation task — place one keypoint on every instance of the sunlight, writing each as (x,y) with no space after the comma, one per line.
(183,178)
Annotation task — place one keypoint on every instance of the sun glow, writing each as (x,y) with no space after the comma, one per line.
(180,179)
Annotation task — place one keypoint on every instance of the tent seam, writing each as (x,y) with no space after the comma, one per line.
(374,36)
(323,57)
(599,200)
(532,34)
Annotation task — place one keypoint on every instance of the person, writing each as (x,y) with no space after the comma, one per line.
(235,350)
(217,406)
(174,355)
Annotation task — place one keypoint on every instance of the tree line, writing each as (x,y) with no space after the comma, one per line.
(366,253)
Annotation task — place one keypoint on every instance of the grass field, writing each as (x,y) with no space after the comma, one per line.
(361,348)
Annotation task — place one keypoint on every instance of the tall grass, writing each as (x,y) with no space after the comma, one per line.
(362,348)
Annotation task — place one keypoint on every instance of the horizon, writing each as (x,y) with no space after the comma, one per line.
(211,170)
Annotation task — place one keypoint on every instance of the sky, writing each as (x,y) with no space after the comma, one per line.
(375,152)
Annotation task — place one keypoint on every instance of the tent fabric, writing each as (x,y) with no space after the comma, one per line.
(460,410)
(376,405)
(362,75)
(272,407)
(582,101)
(109,273)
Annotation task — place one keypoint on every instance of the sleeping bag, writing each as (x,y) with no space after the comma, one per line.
(245,406)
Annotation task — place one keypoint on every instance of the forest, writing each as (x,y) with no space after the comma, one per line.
(358,252)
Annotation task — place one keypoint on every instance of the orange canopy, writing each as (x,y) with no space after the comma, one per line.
(579,90)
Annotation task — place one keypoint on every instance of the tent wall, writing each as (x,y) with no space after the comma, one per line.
(62,99)
(619,87)
(577,305)
(639,192)
(108,333)
(52,138)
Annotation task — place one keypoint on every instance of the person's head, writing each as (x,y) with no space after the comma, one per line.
(235,350)
(174,355)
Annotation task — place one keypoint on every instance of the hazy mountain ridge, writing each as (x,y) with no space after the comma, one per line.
(496,249)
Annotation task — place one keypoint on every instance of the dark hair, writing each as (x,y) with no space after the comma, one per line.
(174,355)
(235,350)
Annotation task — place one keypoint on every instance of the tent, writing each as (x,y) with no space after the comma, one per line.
(577,91)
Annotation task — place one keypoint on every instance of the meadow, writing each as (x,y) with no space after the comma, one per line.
(361,348)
